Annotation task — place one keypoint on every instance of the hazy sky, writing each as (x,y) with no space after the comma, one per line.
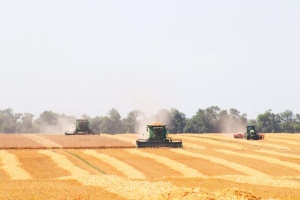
(88,56)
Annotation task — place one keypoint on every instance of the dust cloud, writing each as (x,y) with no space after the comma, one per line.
(162,117)
(229,126)
(62,125)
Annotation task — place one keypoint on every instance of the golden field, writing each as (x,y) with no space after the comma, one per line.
(210,166)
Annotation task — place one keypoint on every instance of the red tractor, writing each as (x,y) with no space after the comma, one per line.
(251,134)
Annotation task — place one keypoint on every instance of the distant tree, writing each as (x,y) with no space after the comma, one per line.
(205,121)
(177,121)
(224,125)
(26,123)
(296,123)
(49,118)
(193,124)
(50,122)
(96,124)
(45,120)
(252,122)
(9,121)
(297,118)
(115,118)
(212,118)
(106,125)
(287,119)
(238,121)
(131,121)
(268,122)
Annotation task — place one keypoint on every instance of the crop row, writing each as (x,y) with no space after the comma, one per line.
(271,165)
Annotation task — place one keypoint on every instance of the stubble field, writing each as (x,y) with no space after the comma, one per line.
(210,166)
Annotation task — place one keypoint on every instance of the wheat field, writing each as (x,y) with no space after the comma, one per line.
(209,166)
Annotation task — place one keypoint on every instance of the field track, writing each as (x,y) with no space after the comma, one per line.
(210,166)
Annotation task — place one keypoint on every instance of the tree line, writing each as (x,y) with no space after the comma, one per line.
(209,120)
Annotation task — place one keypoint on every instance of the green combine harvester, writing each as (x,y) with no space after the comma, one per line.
(250,134)
(82,128)
(158,138)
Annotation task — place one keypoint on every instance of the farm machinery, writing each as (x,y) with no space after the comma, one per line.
(251,134)
(82,127)
(158,137)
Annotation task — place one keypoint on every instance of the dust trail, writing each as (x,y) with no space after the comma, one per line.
(163,116)
(183,169)
(13,167)
(62,125)
(43,141)
(220,161)
(229,125)
(126,169)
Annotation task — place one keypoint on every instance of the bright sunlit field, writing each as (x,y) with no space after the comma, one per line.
(210,166)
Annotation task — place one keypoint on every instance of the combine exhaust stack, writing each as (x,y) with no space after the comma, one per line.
(158,138)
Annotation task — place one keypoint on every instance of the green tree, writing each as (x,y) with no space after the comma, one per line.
(252,122)
(131,121)
(178,121)
(45,120)
(115,118)
(212,118)
(9,121)
(296,123)
(238,121)
(107,125)
(96,124)
(287,119)
(49,118)
(205,121)
(268,122)
(223,124)
(26,124)
(193,124)
(50,122)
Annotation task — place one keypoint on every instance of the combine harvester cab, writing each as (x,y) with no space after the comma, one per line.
(251,134)
(82,127)
(158,138)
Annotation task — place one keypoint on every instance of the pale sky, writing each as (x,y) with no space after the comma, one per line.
(88,56)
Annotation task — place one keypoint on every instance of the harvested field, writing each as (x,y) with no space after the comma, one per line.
(128,170)
(142,163)
(171,163)
(47,141)
(17,141)
(89,141)
(210,166)
(54,189)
